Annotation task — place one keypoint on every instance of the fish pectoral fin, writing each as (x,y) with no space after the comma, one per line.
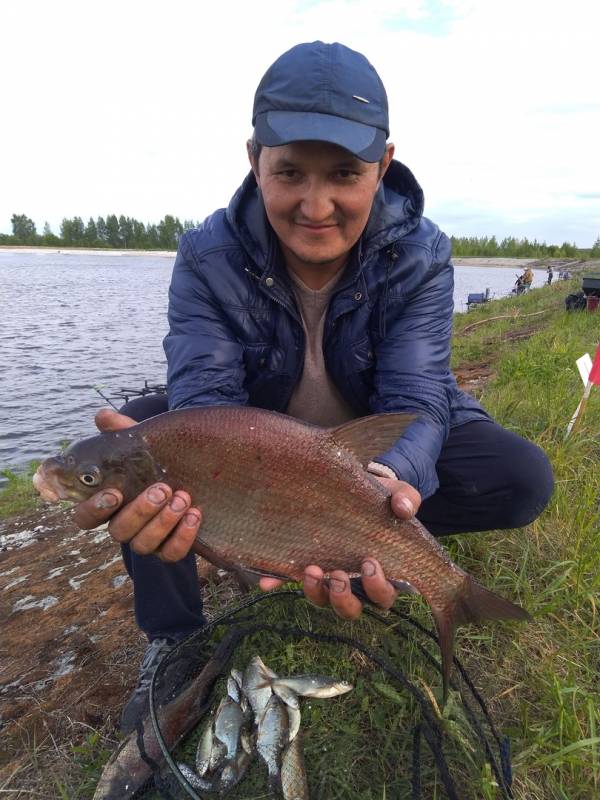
(369,437)
(472,603)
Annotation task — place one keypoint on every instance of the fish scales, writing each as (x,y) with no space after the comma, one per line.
(277,495)
(281,495)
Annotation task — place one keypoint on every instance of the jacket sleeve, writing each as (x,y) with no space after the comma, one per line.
(413,372)
(205,359)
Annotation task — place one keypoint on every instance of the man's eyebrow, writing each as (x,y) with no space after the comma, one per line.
(284,163)
(347,163)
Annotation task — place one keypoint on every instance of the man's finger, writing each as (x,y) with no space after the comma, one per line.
(268,584)
(379,590)
(131,519)
(97,509)
(344,603)
(405,500)
(161,526)
(108,420)
(314,588)
(180,541)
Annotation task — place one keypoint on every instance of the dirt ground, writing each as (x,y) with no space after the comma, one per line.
(70,649)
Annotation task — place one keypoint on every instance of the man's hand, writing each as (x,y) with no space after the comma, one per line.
(405,501)
(158,521)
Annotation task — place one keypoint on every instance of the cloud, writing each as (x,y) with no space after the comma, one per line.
(143,109)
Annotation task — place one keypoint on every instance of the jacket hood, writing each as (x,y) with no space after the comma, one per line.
(397,209)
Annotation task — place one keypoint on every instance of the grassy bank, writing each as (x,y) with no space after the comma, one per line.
(544,683)
(541,681)
(18,495)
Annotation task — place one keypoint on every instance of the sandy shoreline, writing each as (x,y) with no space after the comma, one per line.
(85,251)
(481,261)
(470,261)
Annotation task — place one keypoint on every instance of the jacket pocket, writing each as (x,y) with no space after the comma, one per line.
(356,378)
(358,357)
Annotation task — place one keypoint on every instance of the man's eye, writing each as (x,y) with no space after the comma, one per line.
(346,174)
(290,174)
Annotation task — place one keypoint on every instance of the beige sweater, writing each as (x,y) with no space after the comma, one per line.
(316,398)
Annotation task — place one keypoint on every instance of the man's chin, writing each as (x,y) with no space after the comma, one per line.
(312,258)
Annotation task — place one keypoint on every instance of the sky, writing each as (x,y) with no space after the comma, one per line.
(144,108)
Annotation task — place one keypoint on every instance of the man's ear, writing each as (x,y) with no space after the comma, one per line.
(386,160)
(251,159)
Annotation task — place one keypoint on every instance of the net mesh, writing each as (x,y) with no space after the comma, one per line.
(387,738)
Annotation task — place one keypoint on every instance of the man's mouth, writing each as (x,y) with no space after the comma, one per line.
(317,228)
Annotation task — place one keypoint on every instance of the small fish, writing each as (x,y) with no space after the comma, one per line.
(205,746)
(254,687)
(294,719)
(228,726)
(277,495)
(247,741)
(272,737)
(217,756)
(234,770)
(287,695)
(294,783)
(311,686)
(195,781)
(233,689)
(127,771)
(238,676)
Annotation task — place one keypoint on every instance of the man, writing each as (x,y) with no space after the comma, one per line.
(322,292)
(527,278)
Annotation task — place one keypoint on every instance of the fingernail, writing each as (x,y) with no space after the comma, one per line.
(156,495)
(178,503)
(368,568)
(310,580)
(107,500)
(191,520)
(337,585)
(407,505)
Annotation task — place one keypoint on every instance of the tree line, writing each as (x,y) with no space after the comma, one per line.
(510,247)
(110,231)
(129,233)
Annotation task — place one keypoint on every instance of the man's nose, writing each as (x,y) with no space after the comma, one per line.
(317,203)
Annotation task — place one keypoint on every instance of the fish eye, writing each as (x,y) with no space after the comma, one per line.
(90,476)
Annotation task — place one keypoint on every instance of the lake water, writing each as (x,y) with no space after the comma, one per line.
(72,322)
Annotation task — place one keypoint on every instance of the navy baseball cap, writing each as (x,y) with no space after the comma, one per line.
(326,93)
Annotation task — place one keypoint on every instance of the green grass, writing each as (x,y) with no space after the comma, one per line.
(541,681)
(18,494)
(546,678)
(357,746)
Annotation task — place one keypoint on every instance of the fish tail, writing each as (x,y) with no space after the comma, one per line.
(471,603)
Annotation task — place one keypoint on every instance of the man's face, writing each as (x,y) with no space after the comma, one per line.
(317,197)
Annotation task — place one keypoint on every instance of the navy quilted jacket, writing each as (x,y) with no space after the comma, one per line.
(236,336)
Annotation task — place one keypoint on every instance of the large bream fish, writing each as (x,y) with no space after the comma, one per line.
(277,495)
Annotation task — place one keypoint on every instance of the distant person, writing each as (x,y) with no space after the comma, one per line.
(550,273)
(527,278)
(324,293)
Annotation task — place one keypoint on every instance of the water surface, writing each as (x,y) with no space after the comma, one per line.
(70,322)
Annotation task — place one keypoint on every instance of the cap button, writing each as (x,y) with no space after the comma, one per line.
(269,282)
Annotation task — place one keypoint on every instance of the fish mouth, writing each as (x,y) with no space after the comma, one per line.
(48,484)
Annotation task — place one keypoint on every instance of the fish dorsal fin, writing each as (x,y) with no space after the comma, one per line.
(369,437)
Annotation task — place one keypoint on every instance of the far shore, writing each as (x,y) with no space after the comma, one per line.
(459,261)
(85,251)
(484,261)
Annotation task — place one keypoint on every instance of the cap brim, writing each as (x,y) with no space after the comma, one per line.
(274,128)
